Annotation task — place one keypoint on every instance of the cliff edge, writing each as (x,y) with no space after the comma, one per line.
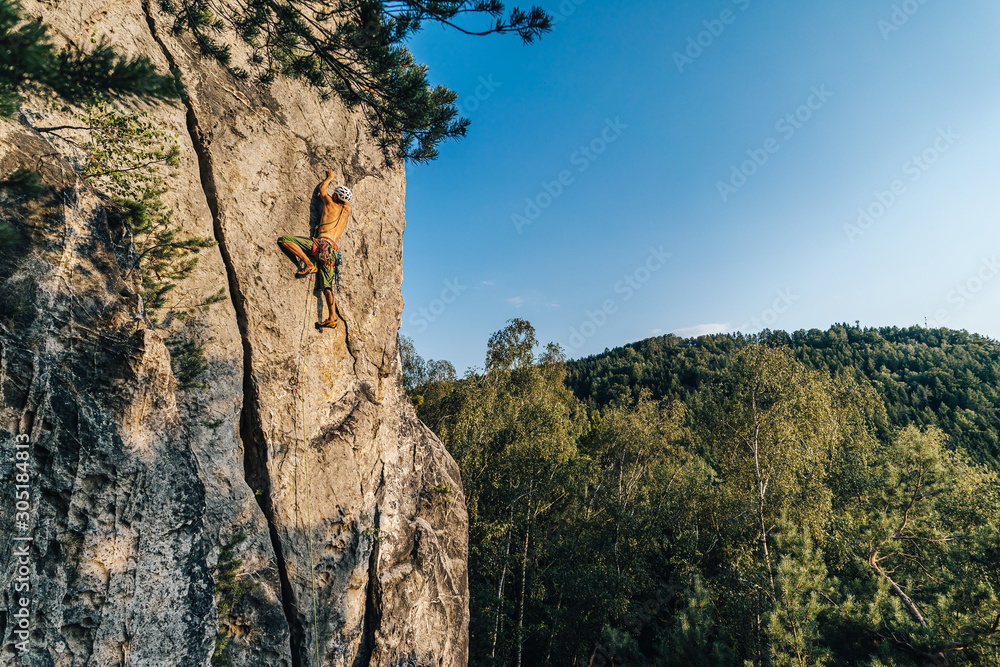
(300,463)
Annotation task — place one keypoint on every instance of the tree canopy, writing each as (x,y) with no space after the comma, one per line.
(30,62)
(722,501)
(354,49)
(924,377)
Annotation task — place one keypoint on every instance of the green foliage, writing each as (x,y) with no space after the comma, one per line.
(925,377)
(695,637)
(354,49)
(23,200)
(30,63)
(439,495)
(126,152)
(763,511)
(90,77)
(229,591)
(128,157)
(419,375)
(24,182)
(513,430)
(926,538)
(561,509)
(798,609)
(772,438)
(639,481)
(19,188)
(188,362)
(8,235)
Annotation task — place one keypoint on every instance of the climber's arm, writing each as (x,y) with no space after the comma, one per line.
(322,186)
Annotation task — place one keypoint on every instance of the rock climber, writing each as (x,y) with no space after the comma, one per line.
(336,212)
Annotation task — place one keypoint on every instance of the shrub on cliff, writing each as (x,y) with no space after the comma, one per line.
(30,62)
(354,49)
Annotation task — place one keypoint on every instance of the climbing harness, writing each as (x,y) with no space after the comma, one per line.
(328,254)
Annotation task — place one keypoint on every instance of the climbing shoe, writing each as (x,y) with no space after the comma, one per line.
(329,324)
(302,273)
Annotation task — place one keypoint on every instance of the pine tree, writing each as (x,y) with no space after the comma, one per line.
(30,62)
(926,541)
(697,638)
(128,157)
(354,49)
(794,624)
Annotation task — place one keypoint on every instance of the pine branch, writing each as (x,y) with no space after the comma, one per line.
(353,49)
(53,130)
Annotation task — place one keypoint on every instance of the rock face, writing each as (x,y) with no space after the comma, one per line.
(303,444)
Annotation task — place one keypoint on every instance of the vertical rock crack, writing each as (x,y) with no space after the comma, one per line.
(251,432)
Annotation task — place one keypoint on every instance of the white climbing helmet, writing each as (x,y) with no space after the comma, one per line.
(343,193)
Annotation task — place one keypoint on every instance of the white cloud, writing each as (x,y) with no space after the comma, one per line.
(488,283)
(516,301)
(700,330)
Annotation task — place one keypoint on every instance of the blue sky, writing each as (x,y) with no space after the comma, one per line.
(653,167)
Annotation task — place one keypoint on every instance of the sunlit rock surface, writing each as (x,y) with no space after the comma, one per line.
(136,486)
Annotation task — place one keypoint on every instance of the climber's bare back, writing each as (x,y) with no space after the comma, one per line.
(335,214)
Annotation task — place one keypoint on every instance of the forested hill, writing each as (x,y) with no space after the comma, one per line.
(925,377)
(773,515)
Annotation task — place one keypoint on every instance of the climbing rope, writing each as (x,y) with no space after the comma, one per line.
(298,389)
(300,385)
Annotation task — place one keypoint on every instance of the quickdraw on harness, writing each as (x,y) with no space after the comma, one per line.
(328,254)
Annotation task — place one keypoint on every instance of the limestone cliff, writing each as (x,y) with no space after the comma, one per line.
(356,545)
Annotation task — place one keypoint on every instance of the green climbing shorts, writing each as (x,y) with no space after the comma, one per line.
(324,274)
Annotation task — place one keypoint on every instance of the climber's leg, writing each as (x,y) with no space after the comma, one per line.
(325,277)
(331,309)
(298,246)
